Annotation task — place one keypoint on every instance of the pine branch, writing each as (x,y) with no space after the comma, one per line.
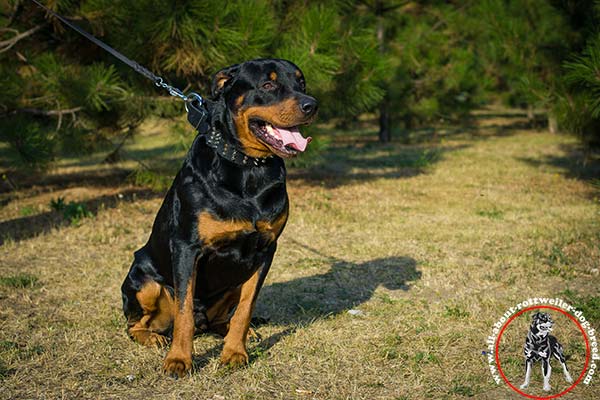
(37,111)
(5,45)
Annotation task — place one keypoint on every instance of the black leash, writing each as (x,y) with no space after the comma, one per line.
(194,104)
(193,101)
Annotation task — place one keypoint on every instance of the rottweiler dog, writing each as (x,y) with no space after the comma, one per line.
(215,234)
(541,346)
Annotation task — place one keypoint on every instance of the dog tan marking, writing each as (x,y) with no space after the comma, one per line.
(234,351)
(239,101)
(212,230)
(220,79)
(179,359)
(298,73)
(272,229)
(157,306)
(286,113)
(273,76)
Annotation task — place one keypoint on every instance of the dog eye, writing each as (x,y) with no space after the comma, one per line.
(302,84)
(268,86)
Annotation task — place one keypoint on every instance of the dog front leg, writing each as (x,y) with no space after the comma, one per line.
(527,374)
(234,351)
(179,358)
(546,370)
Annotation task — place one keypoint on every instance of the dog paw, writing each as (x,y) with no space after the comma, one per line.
(569,379)
(156,340)
(524,386)
(547,388)
(234,357)
(177,367)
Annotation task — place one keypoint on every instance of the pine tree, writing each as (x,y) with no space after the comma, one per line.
(577,104)
(383,15)
(437,78)
(522,45)
(61,93)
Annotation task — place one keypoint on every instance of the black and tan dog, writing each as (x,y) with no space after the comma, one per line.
(541,346)
(216,232)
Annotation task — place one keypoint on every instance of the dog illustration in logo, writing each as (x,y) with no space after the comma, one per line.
(541,346)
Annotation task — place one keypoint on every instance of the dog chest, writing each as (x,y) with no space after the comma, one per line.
(214,232)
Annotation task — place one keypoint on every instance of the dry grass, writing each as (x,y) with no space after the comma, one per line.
(432,244)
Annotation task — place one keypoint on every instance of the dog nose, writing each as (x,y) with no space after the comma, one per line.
(309,106)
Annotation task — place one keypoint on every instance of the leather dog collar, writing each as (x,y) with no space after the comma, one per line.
(230,152)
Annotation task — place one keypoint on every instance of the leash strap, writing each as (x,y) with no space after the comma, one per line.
(197,114)
(158,81)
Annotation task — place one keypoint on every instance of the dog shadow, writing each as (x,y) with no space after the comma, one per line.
(345,286)
(301,301)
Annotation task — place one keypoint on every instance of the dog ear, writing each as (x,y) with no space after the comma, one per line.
(222,78)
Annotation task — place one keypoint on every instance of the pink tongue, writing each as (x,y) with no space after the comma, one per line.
(293,138)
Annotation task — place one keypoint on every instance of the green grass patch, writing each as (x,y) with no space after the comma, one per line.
(462,390)
(156,181)
(391,347)
(73,211)
(21,281)
(26,211)
(455,312)
(8,345)
(425,357)
(492,213)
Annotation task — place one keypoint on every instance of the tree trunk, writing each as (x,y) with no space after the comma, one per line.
(552,123)
(384,112)
(384,121)
(530,115)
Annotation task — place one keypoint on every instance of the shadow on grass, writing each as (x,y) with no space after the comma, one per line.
(337,166)
(345,286)
(48,183)
(359,157)
(573,163)
(303,300)
(27,227)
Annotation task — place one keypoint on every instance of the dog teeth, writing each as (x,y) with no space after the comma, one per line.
(271,131)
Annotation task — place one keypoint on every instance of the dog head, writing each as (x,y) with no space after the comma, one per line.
(541,324)
(264,103)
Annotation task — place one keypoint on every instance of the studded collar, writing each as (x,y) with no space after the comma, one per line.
(215,139)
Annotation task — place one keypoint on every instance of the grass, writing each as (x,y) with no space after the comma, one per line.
(19,281)
(430,242)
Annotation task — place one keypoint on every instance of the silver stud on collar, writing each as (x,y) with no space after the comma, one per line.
(215,140)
